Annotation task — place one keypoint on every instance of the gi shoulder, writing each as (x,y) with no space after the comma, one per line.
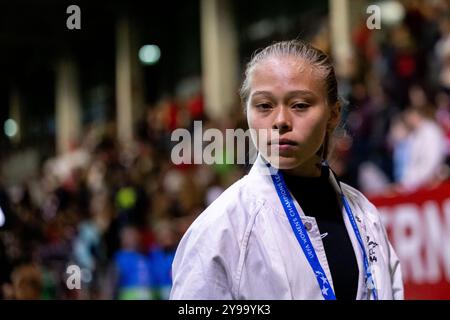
(227,218)
(207,261)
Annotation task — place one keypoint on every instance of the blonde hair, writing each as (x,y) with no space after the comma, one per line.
(298,49)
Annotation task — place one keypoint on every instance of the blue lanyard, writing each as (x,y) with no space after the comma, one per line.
(368,274)
(305,243)
(302,235)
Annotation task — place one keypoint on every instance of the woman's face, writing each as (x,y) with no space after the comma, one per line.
(288,100)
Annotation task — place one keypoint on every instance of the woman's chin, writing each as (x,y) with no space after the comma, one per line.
(284,163)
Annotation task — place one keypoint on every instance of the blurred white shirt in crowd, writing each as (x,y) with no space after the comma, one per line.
(426,155)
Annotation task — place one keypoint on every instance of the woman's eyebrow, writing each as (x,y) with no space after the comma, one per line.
(291,94)
(262,93)
(302,93)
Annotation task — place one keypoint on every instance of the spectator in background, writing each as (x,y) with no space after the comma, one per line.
(195,107)
(398,138)
(426,151)
(26,283)
(403,61)
(442,53)
(131,270)
(161,258)
(443,118)
(86,252)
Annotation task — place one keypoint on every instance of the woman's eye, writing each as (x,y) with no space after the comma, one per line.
(300,106)
(264,106)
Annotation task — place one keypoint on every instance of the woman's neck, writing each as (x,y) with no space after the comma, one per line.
(311,168)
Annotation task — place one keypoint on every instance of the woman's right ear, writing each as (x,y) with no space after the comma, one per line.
(335,116)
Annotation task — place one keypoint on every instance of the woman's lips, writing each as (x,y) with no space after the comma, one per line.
(284,145)
(283,142)
(286,148)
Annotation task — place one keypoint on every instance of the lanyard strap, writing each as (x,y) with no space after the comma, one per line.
(302,235)
(369,280)
(305,243)
(368,274)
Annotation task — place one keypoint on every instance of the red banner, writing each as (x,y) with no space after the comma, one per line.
(418,226)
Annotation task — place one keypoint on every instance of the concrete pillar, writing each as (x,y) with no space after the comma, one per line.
(220,62)
(129,94)
(68,106)
(340,33)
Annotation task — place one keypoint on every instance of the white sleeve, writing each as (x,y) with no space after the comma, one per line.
(395,271)
(198,275)
(396,275)
(394,267)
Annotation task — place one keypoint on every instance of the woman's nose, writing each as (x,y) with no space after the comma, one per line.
(282,121)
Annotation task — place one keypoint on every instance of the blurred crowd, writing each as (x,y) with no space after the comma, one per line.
(115,211)
(397,117)
(118,211)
